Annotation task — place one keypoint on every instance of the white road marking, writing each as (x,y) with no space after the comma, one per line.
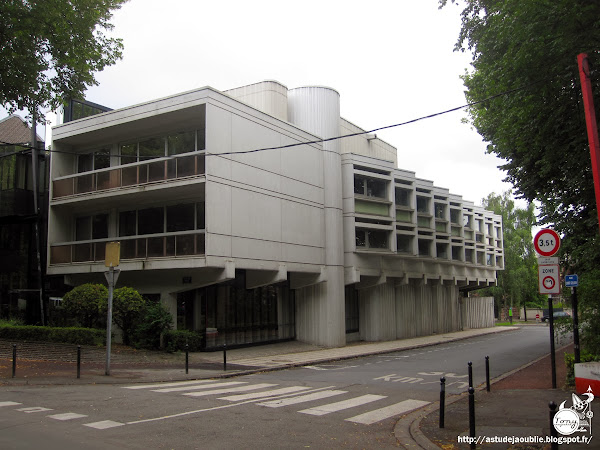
(9,404)
(264,394)
(104,424)
(378,415)
(252,387)
(34,409)
(176,383)
(202,386)
(339,406)
(301,399)
(67,416)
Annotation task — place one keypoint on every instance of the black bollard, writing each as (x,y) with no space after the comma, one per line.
(553,433)
(472,416)
(487,373)
(442,400)
(14,367)
(225,357)
(79,361)
(187,358)
(470,374)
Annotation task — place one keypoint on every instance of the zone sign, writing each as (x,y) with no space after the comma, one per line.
(546,242)
(549,279)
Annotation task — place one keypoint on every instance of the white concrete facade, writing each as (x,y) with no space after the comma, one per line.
(217,197)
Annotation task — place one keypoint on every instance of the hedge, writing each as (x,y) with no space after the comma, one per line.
(177,339)
(71,335)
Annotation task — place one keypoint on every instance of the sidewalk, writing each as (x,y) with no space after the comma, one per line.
(516,406)
(47,364)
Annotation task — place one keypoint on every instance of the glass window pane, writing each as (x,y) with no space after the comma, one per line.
(376,188)
(152,148)
(151,220)
(378,239)
(100,226)
(84,163)
(127,223)
(128,153)
(359,185)
(360,238)
(101,159)
(83,228)
(423,204)
(183,142)
(200,214)
(180,217)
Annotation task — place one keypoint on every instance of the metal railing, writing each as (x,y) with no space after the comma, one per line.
(162,246)
(156,170)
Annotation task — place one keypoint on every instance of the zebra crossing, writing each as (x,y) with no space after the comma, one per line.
(305,400)
(290,396)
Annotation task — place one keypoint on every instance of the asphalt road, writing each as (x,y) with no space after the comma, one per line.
(348,404)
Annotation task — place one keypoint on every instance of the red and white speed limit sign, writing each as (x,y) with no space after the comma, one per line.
(546,242)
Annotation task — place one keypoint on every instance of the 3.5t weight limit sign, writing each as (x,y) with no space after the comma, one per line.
(546,242)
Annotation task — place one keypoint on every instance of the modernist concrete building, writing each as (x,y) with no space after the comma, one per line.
(238,211)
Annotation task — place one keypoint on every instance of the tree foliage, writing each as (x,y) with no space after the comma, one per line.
(128,305)
(85,304)
(528,50)
(52,48)
(517,283)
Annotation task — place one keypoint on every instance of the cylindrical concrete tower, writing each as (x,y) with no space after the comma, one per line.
(317,110)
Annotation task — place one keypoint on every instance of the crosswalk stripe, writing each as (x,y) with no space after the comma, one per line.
(387,412)
(34,409)
(9,404)
(103,424)
(164,385)
(67,416)
(198,387)
(301,399)
(252,387)
(345,404)
(272,393)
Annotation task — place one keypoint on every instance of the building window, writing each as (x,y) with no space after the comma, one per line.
(441,250)
(182,217)
(158,147)
(440,211)
(404,243)
(422,204)
(455,216)
(374,239)
(456,254)
(403,197)
(99,159)
(424,247)
(469,255)
(91,227)
(370,187)
(467,221)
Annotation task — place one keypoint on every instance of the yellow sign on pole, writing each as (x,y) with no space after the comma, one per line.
(112,254)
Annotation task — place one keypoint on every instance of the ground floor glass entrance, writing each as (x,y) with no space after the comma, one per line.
(228,313)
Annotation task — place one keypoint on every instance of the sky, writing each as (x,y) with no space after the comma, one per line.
(391,61)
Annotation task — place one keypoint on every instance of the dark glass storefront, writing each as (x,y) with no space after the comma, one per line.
(228,313)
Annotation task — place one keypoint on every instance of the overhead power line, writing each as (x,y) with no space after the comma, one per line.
(334,138)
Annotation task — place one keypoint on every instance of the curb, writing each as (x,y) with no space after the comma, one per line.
(408,428)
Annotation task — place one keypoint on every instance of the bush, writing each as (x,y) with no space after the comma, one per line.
(570,363)
(85,304)
(154,320)
(72,335)
(128,306)
(177,339)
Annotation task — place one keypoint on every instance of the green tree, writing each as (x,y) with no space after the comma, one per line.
(85,303)
(526,102)
(128,306)
(517,283)
(52,48)
(154,320)
(527,51)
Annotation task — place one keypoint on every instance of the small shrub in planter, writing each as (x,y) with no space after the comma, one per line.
(175,340)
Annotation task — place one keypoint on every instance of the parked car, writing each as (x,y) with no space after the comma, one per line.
(556,315)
